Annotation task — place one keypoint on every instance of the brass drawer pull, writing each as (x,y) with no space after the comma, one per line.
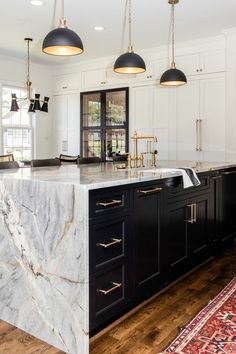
(216,178)
(114,241)
(148,191)
(228,173)
(194,212)
(191,220)
(193,215)
(112,202)
(115,286)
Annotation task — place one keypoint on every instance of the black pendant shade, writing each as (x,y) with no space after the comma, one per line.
(173,77)
(37,106)
(31,107)
(14,104)
(44,107)
(34,103)
(129,63)
(62,41)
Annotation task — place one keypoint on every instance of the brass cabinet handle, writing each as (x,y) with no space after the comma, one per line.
(115,286)
(200,135)
(148,191)
(114,241)
(197,134)
(228,173)
(112,202)
(216,177)
(194,213)
(191,220)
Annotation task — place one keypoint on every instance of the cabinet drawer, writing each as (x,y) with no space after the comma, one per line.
(108,295)
(108,242)
(108,201)
(175,186)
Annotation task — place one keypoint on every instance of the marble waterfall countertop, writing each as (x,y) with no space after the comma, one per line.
(44,270)
(107,174)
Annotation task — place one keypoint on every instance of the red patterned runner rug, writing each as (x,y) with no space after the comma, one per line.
(213,329)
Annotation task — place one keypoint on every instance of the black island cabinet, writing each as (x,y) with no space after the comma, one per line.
(143,236)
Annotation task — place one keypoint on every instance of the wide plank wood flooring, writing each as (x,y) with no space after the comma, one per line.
(149,330)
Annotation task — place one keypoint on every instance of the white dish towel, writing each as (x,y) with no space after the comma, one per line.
(190,178)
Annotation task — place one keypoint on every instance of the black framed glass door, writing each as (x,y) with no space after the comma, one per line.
(104,123)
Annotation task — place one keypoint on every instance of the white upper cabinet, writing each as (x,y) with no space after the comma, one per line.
(212,115)
(201,63)
(154,70)
(100,78)
(200,119)
(93,78)
(66,83)
(66,124)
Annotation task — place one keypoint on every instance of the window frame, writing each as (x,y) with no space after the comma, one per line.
(30,126)
(103,128)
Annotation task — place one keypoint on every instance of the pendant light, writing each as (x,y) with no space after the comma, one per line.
(173,76)
(34,103)
(129,62)
(62,40)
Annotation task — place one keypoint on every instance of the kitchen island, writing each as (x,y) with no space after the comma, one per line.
(50,273)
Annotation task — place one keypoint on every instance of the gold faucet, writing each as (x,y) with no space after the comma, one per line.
(136,160)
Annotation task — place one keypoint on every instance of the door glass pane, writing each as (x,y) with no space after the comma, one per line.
(91,110)
(115,141)
(91,143)
(116,108)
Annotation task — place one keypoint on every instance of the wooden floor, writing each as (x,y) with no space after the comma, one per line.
(149,330)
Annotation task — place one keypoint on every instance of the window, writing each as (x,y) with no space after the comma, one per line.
(17,129)
(104,123)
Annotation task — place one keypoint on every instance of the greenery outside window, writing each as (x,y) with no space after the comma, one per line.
(17,130)
(104,123)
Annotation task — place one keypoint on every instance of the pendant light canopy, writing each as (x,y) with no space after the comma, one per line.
(34,103)
(62,41)
(173,76)
(129,62)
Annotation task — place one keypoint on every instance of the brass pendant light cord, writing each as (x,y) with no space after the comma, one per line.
(130,49)
(28,82)
(124,27)
(62,19)
(173,35)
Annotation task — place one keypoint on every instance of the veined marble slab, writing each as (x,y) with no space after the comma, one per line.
(43,261)
(44,270)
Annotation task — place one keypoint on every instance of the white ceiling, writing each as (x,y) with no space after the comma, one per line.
(194,19)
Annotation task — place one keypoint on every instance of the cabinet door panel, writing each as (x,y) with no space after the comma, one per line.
(141,113)
(228,207)
(212,113)
(187,112)
(147,262)
(212,62)
(177,242)
(189,64)
(199,235)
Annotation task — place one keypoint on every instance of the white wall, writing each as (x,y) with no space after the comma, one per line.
(13,72)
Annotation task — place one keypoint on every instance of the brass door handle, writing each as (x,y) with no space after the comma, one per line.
(200,134)
(194,213)
(197,134)
(114,241)
(112,202)
(191,220)
(228,173)
(149,191)
(216,177)
(115,287)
